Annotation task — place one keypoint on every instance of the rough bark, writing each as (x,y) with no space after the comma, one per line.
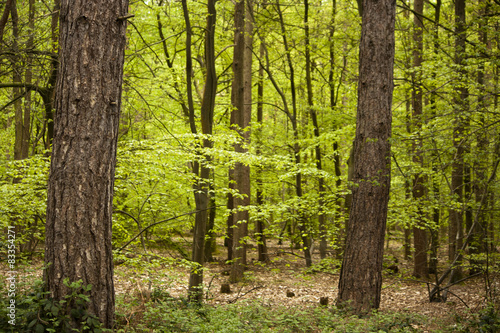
(80,191)
(361,274)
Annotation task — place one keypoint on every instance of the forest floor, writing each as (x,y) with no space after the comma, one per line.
(284,281)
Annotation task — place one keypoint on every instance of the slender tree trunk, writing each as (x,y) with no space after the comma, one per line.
(241,97)
(201,188)
(302,219)
(340,242)
(259,223)
(80,191)
(433,262)
(479,234)
(210,239)
(361,274)
(314,119)
(21,139)
(28,78)
(228,241)
(456,232)
(5,17)
(420,268)
(51,84)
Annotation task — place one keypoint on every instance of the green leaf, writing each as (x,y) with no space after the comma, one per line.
(32,323)
(39,328)
(54,310)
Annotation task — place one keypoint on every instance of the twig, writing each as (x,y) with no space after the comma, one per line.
(125,17)
(209,285)
(238,296)
(153,224)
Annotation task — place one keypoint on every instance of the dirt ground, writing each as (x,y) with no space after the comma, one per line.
(286,281)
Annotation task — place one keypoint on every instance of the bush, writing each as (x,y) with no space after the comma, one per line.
(36,312)
(487,320)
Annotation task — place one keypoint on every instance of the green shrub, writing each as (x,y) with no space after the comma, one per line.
(487,320)
(37,312)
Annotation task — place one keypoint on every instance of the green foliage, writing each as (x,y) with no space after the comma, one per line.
(176,315)
(328,265)
(23,195)
(37,312)
(487,320)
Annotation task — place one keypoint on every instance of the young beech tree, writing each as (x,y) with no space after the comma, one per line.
(201,170)
(361,275)
(80,191)
(241,99)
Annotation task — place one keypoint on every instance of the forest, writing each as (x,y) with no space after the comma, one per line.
(249,166)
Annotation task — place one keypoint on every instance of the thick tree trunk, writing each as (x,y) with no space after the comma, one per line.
(361,274)
(80,191)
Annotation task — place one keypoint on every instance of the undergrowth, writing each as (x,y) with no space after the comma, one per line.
(167,314)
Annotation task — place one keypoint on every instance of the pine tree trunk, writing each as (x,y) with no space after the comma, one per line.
(361,274)
(80,191)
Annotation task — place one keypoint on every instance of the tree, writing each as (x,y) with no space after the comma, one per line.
(200,167)
(80,191)
(241,98)
(361,273)
(456,231)
(419,180)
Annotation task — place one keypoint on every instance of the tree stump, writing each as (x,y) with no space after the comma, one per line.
(225,288)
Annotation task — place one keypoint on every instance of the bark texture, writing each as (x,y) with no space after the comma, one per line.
(361,275)
(80,191)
